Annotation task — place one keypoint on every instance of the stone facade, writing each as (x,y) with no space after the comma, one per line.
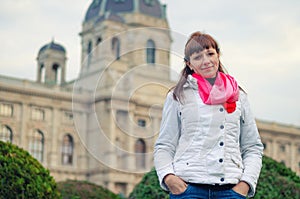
(101,127)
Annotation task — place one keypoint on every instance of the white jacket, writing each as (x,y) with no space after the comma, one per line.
(205,144)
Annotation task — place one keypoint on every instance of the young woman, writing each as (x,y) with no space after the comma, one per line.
(209,145)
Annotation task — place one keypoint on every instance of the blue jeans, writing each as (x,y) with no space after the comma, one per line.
(206,192)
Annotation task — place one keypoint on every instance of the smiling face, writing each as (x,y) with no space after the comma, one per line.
(205,62)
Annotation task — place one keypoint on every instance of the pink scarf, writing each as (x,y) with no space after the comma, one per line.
(225,91)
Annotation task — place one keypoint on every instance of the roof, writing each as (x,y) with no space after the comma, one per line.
(53,46)
(98,8)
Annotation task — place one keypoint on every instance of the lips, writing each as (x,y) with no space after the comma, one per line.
(205,68)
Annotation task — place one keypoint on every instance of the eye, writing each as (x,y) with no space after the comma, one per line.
(211,53)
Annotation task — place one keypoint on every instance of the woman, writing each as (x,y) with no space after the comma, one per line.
(209,145)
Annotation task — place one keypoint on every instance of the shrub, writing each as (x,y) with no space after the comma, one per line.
(22,176)
(149,188)
(276,181)
(74,189)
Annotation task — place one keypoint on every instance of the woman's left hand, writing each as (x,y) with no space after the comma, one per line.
(241,188)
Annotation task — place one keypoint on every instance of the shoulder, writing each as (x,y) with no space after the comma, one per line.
(243,96)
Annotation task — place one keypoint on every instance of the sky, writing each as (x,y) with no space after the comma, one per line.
(259,42)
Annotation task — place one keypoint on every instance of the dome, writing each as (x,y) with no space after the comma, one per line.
(53,46)
(148,7)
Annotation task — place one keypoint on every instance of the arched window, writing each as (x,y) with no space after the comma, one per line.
(67,150)
(140,150)
(150,52)
(57,73)
(36,144)
(42,73)
(115,46)
(89,53)
(6,134)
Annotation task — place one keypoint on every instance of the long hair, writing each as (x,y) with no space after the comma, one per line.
(196,43)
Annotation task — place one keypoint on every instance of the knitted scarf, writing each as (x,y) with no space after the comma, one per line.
(224,91)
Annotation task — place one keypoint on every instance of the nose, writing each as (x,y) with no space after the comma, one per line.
(206,60)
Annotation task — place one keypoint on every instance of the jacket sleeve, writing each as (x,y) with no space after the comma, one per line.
(165,146)
(251,146)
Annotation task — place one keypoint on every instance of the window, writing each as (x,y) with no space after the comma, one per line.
(57,73)
(150,52)
(142,122)
(282,148)
(67,150)
(37,114)
(6,134)
(99,39)
(89,53)
(116,47)
(42,73)
(120,188)
(140,150)
(6,110)
(68,117)
(36,144)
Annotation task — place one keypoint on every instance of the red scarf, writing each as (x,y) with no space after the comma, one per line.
(225,91)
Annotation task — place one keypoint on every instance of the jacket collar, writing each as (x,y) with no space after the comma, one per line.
(191,82)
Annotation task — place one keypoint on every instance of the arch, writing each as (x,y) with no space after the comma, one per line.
(140,150)
(115,46)
(150,51)
(67,150)
(57,72)
(36,144)
(6,134)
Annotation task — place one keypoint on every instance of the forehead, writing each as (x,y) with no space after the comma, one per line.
(202,51)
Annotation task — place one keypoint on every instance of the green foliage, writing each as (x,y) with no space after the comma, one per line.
(22,176)
(74,189)
(149,188)
(276,181)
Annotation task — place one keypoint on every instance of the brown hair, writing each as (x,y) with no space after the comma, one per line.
(196,43)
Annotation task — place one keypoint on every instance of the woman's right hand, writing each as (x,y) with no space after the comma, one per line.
(175,184)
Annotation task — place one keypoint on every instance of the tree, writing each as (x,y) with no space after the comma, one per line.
(276,181)
(22,176)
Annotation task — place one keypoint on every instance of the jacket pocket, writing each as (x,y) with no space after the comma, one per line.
(237,161)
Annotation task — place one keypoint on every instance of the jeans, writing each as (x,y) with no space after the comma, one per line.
(194,191)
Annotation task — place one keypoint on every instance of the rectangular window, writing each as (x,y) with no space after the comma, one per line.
(6,109)
(67,117)
(37,114)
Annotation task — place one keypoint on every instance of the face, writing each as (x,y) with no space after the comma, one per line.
(205,62)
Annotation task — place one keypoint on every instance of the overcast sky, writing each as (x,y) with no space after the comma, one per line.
(259,42)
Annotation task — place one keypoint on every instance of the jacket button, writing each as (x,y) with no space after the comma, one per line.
(222,179)
(220,160)
(221,109)
(222,126)
(221,143)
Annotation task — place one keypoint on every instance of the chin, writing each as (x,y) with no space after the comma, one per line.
(209,76)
